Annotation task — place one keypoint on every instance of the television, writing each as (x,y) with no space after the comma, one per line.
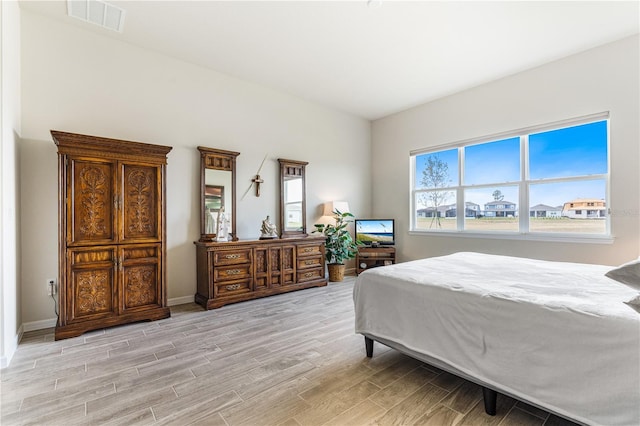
(374,232)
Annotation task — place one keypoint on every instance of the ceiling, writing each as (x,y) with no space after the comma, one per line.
(368,61)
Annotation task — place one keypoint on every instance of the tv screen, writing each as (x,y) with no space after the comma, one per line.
(375,231)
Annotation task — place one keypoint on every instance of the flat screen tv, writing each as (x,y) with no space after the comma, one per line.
(375,231)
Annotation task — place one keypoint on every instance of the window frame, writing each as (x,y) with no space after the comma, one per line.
(523,184)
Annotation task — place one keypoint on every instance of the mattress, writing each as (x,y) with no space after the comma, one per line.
(555,334)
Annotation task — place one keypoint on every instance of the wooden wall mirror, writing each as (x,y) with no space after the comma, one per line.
(293,211)
(217,194)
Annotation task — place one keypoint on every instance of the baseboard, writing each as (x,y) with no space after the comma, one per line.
(5,359)
(180,300)
(50,323)
(39,325)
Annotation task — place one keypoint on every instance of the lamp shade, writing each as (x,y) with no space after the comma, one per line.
(331,206)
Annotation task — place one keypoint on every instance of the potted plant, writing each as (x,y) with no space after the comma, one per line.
(339,245)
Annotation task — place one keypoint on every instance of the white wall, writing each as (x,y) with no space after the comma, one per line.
(602,79)
(77,81)
(9,134)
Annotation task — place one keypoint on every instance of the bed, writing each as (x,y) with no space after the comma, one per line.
(554,334)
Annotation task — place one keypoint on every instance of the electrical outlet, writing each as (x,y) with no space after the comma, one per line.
(51,286)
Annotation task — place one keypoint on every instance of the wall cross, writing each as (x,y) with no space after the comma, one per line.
(257,181)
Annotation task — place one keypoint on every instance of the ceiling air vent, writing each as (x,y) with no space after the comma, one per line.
(97,12)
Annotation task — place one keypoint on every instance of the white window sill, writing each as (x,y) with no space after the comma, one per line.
(560,238)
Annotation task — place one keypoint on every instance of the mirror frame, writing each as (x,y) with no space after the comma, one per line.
(289,169)
(217,159)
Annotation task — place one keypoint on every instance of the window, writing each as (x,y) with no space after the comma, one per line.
(547,180)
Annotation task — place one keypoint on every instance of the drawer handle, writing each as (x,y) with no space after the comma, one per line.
(310,274)
(233,287)
(234,272)
(310,262)
(232,256)
(308,250)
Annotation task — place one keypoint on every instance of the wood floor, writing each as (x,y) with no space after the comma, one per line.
(291,359)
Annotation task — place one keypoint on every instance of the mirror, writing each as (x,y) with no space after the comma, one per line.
(217,194)
(293,212)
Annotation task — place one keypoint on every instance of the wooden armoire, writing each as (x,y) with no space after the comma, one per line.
(111,232)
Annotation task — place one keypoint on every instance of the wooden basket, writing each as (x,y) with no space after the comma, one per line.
(336,272)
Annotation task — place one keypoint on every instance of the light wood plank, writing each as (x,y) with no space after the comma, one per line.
(414,407)
(401,389)
(463,398)
(328,408)
(361,414)
(194,407)
(440,415)
(478,417)
(517,417)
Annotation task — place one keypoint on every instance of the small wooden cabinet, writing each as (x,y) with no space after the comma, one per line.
(371,257)
(230,272)
(111,232)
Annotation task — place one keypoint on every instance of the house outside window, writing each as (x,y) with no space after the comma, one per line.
(545,180)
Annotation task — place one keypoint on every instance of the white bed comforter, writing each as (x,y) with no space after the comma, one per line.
(552,333)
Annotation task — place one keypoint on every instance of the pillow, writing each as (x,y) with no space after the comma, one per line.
(628,274)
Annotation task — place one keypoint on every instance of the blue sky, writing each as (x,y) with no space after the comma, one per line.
(574,151)
(492,162)
(578,150)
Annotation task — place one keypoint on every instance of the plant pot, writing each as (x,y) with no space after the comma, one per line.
(336,271)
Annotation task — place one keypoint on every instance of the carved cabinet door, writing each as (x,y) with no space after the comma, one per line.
(140,209)
(90,201)
(139,281)
(282,265)
(261,265)
(288,265)
(91,284)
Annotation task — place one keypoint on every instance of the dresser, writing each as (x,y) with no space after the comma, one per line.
(112,254)
(230,272)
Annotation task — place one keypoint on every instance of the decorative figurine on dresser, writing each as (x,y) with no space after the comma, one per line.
(112,232)
(268,230)
(230,270)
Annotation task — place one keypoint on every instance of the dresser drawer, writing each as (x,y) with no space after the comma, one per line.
(231,272)
(309,262)
(230,288)
(309,250)
(232,257)
(310,275)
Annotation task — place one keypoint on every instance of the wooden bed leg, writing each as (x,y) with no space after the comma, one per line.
(368,344)
(490,397)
